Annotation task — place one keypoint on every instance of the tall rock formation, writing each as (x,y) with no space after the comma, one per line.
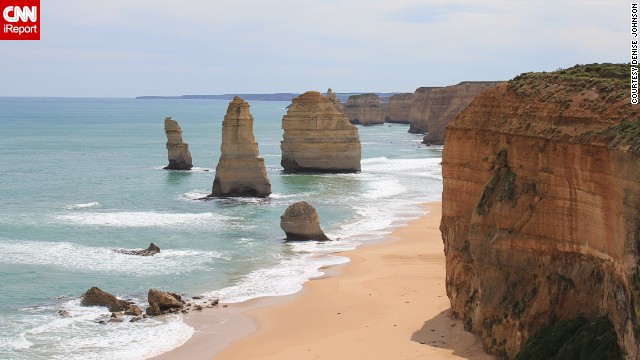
(447,102)
(541,207)
(398,109)
(364,109)
(240,172)
(334,99)
(179,155)
(419,113)
(318,138)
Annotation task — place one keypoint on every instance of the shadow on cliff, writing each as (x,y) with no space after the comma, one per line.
(446,333)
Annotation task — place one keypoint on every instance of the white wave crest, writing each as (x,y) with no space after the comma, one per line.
(144,219)
(82,206)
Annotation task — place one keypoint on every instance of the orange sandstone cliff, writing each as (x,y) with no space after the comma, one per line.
(541,207)
(398,109)
(365,109)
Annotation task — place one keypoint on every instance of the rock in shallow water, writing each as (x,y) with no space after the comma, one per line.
(300,222)
(97,297)
(178,151)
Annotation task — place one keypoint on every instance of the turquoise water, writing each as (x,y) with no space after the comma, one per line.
(82,177)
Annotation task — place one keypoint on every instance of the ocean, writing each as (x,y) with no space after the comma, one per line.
(84,176)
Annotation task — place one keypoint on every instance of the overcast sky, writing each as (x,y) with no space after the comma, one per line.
(125,48)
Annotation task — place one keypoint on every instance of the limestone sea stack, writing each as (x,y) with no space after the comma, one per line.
(318,138)
(419,113)
(179,155)
(365,109)
(334,99)
(301,222)
(398,109)
(240,172)
(541,209)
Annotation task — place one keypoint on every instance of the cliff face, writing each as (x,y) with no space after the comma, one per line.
(399,109)
(318,138)
(178,151)
(541,207)
(446,103)
(419,113)
(364,109)
(240,172)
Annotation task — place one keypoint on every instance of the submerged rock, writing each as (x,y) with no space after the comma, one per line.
(318,138)
(300,222)
(179,155)
(97,297)
(150,251)
(240,172)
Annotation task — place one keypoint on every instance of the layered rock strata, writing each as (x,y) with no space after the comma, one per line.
(301,222)
(541,207)
(240,172)
(365,109)
(178,151)
(334,99)
(318,138)
(398,109)
(419,113)
(447,102)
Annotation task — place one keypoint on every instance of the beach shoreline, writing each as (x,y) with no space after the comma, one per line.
(388,301)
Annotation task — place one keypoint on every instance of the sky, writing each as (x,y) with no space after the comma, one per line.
(128,48)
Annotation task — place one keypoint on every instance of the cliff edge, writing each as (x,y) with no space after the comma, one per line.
(541,207)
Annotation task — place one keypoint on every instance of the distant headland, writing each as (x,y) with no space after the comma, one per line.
(254,97)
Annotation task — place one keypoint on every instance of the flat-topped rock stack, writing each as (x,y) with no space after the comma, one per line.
(365,109)
(398,109)
(179,155)
(318,138)
(240,172)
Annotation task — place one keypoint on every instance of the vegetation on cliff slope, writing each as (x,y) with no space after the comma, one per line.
(592,102)
(576,339)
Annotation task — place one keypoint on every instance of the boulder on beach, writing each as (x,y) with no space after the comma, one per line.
(301,222)
(161,302)
(97,297)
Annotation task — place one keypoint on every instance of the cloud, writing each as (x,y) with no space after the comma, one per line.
(128,48)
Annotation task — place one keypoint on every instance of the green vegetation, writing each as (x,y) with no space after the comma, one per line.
(625,133)
(574,339)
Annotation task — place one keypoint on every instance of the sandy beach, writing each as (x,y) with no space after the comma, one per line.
(389,302)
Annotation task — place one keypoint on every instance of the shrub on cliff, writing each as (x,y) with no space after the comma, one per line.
(574,339)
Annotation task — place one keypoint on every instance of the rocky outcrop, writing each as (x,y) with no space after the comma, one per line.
(334,99)
(301,222)
(398,109)
(161,302)
(541,207)
(97,297)
(419,113)
(150,251)
(179,155)
(240,172)
(364,109)
(447,102)
(318,138)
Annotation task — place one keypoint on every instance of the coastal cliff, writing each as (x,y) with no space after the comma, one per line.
(447,102)
(541,207)
(398,109)
(365,109)
(318,138)
(419,113)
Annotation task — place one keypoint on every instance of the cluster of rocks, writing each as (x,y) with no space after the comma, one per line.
(160,303)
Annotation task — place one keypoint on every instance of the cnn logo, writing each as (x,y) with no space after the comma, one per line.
(20,20)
